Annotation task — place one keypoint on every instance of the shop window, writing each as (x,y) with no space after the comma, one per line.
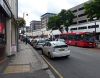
(2,34)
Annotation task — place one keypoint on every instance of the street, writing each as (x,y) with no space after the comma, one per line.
(83,63)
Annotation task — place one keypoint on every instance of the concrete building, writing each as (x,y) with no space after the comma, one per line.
(8,39)
(83,24)
(27,29)
(44,19)
(35,25)
(39,27)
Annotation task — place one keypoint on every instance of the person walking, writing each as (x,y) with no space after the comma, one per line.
(26,40)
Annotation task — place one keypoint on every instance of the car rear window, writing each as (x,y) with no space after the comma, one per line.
(58,43)
(61,46)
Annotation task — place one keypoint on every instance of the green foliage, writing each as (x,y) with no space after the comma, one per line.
(54,23)
(63,18)
(20,22)
(92,9)
(70,16)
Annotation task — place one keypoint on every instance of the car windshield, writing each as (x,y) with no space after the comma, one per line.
(41,41)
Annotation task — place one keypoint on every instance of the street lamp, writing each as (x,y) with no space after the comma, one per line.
(24,15)
(24,19)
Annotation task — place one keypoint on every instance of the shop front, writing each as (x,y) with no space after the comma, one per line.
(7,30)
(2,35)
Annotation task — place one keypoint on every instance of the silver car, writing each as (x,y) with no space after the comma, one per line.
(39,44)
(55,49)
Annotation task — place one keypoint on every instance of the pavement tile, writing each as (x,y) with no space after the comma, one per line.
(17,69)
(25,64)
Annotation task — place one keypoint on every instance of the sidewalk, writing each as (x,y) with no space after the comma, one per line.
(26,64)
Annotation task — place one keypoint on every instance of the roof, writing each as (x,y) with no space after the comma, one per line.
(48,13)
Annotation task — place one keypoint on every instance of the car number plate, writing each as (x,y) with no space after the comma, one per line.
(61,49)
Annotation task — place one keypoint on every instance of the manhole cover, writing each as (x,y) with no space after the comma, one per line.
(17,69)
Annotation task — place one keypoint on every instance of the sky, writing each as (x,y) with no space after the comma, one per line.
(33,9)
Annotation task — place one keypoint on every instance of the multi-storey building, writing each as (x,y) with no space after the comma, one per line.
(44,19)
(80,16)
(81,23)
(35,25)
(8,15)
(27,29)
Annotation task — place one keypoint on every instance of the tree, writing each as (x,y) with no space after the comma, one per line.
(66,18)
(20,22)
(92,9)
(70,16)
(54,23)
(63,16)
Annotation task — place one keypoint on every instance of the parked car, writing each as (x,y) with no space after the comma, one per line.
(60,40)
(33,43)
(40,44)
(55,49)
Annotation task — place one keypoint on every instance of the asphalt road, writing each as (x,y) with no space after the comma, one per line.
(83,63)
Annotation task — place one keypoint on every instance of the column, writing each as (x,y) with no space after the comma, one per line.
(8,37)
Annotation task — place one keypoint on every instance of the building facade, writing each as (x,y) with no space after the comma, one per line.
(8,15)
(45,18)
(81,23)
(35,25)
(27,29)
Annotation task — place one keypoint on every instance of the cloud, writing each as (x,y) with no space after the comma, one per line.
(36,8)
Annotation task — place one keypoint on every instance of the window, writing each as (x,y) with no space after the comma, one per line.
(48,44)
(81,8)
(82,21)
(75,16)
(73,29)
(74,11)
(81,15)
(93,26)
(74,22)
(79,28)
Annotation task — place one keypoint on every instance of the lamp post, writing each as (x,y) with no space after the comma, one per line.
(24,19)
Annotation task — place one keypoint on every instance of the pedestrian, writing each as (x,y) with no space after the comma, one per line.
(26,40)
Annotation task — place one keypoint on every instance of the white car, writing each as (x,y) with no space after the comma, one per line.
(60,40)
(55,49)
(39,44)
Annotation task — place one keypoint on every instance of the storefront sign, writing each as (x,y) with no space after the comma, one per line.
(1,27)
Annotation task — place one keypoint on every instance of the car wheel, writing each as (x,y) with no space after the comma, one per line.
(49,55)
(67,56)
(42,51)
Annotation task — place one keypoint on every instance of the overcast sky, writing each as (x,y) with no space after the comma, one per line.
(36,8)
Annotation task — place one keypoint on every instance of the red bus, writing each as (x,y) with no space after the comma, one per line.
(81,39)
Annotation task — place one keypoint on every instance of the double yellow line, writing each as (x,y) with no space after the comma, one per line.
(60,76)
